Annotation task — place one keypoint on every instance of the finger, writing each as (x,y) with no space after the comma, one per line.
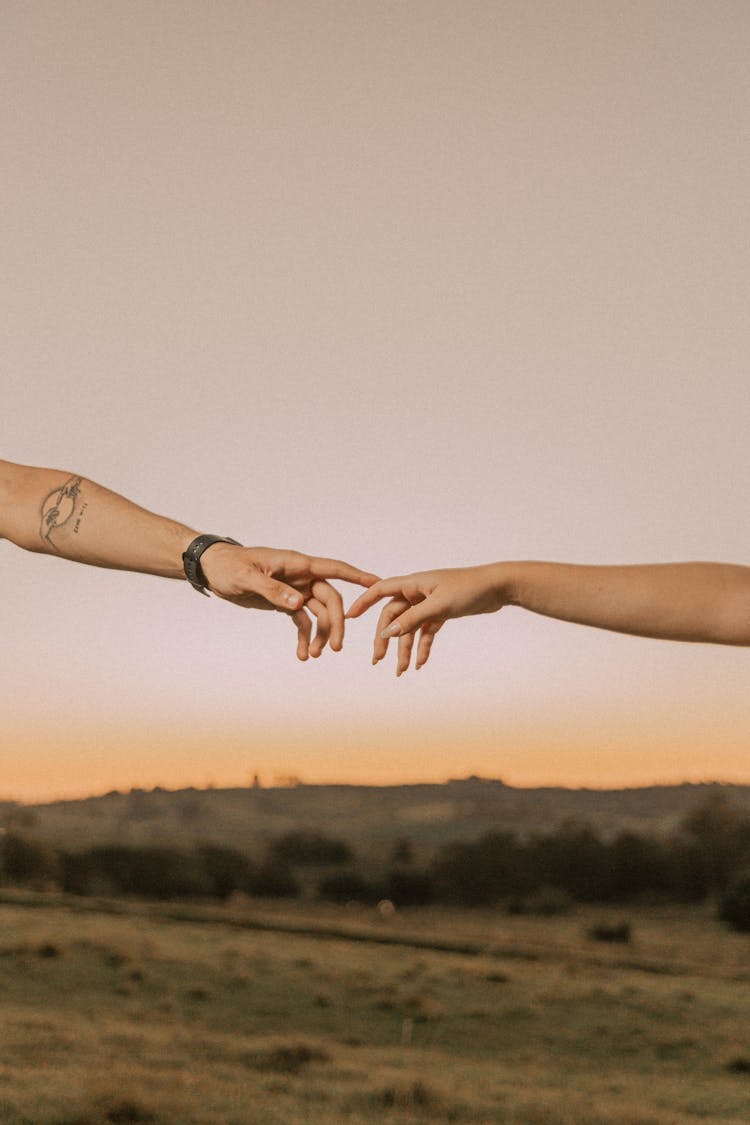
(337,568)
(277,593)
(386,587)
(331,599)
(304,632)
(405,645)
(323,626)
(411,592)
(388,614)
(426,637)
(413,618)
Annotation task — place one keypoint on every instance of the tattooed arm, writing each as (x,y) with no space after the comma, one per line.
(59,513)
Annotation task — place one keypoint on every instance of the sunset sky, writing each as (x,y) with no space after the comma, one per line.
(408,282)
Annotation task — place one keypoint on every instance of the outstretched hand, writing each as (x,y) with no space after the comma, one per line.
(288,581)
(423,602)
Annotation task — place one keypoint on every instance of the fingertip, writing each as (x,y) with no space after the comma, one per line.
(336,639)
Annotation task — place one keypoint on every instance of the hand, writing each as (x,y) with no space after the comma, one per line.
(267,578)
(424,601)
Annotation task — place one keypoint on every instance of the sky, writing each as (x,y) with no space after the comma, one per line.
(413,283)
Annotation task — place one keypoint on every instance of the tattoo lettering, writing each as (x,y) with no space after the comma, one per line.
(84,506)
(59,508)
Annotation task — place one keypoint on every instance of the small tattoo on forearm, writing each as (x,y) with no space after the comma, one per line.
(59,508)
(84,506)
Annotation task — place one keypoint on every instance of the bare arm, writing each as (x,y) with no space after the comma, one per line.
(693,601)
(64,514)
(60,513)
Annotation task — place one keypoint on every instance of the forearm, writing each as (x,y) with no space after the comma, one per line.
(675,601)
(60,513)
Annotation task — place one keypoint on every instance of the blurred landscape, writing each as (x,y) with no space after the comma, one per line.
(467,952)
(429,814)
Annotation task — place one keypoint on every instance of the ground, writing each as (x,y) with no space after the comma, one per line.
(227,1016)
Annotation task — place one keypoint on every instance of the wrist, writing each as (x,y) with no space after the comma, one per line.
(204,559)
(505,578)
(218,559)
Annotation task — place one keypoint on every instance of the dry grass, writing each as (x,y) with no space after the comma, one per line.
(110,1020)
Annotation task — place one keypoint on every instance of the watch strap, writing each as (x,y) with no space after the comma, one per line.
(191,559)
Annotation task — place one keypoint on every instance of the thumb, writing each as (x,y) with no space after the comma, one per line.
(277,593)
(411,619)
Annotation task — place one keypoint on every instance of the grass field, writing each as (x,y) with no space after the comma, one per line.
(112,1018)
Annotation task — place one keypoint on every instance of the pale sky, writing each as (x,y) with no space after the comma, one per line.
(409,282)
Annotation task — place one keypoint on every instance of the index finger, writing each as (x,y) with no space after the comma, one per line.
(383,588)
(337,568)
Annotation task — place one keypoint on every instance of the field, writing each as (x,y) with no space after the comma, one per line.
(262,1014)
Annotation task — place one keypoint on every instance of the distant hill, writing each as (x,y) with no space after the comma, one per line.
(427,814)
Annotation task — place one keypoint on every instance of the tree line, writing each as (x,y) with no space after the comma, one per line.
(709,855)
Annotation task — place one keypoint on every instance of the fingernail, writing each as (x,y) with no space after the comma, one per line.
(293,599)
(392,631)
(374,661)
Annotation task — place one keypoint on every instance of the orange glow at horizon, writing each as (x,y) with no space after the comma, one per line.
(572,756)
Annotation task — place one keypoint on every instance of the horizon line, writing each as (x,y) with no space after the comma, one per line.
(300,783)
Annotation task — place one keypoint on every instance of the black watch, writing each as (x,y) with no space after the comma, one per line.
(191,559)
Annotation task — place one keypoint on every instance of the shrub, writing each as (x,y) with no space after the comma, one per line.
(409,888)
(738,1065)
(574,858)
(274,879)
(483,871)
(610,931)
(226,870)
(637,864)
(347,886)
(25,861)
(150,872)
(722,833)
(734,905)
(311,848)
